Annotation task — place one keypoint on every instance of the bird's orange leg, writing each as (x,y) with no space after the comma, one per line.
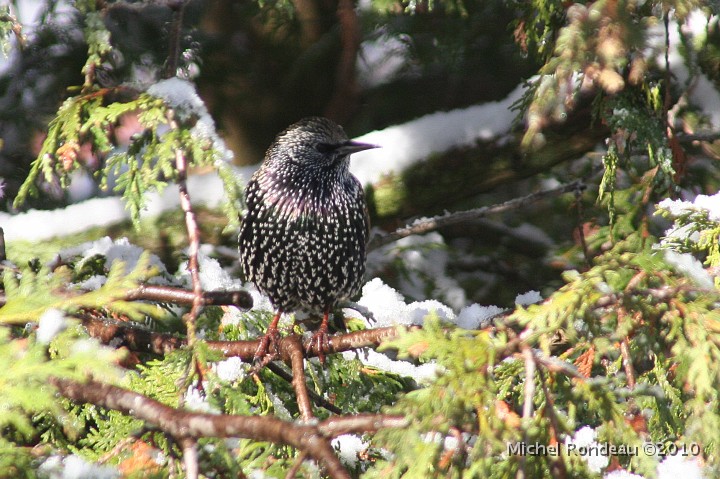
(319,343)
(272,337)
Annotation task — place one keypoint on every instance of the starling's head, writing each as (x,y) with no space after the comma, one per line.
(314,142)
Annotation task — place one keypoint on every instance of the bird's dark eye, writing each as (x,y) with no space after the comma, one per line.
(325,147)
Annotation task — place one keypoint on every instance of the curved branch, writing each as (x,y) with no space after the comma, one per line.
(312,439)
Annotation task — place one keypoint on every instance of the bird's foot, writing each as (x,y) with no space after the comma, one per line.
(320,343)
(267,350)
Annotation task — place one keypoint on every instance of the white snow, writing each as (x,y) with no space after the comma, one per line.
(389,308)
(348,447)
(673,467)
(585,438)
(424,259)
(621,474)
(181,96)
(232,369)
(212,276)
(113,250)
(39,225)
(75,467)
(701,203)
(531,297)
(422,373)
(50,324)
(196,401)
(380,59)
(701,92)
(387,305)
(686,264)
(476,316)
(405,144)
(419,310)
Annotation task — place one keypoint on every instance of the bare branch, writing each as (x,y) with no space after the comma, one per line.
(316,398)
(627,362)
(312,439)
(292,353)
(436,222)
(181,165)
(168,294)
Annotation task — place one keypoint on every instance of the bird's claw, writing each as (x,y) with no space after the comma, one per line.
(319,344)
(267,350)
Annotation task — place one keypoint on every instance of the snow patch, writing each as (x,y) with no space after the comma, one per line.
(476,316)
(75,467)
(51,323)
(348,447)
(686,264)
(531,297)
(585,438)
(230,370)
(422,373)
(402,145)
(180,95)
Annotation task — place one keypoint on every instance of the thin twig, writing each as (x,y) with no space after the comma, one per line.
(527,403)
(292,472)
(3,254)
(627,363)
(169,294)
(181,165)
(316,398)
(691,137)
(581,226)
(431,224)
(529,384)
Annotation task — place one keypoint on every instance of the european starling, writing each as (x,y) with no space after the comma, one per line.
(303,237)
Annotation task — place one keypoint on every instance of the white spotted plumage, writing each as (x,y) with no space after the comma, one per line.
(303,238)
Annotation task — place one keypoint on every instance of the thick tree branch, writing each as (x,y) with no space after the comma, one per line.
(142,340)
(313,439)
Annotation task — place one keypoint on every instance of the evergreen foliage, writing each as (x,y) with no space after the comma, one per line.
(628,345)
